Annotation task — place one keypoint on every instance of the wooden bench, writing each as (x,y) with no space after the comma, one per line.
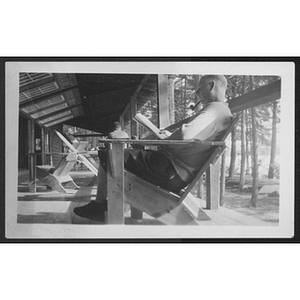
(59,177)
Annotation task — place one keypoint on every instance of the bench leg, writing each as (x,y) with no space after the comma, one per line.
(55,184)
(73,185)
(136,215)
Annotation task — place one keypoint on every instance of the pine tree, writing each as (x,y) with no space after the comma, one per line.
(273,141)
(254,196)
(243,143)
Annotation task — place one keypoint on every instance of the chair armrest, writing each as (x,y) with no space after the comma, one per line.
(164,142)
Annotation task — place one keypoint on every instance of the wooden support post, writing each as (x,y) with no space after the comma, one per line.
(121,120)
(115,184)
(31,157)
(94,142)
(222,178)
(213,186)
(133,111)
(163,103)
(48,158)
(171,98)
(32,173)
(43,145)
(135,214)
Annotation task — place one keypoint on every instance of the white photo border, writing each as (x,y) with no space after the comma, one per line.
(285,229)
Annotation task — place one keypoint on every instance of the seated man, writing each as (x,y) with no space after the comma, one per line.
(118,133)
(172,167)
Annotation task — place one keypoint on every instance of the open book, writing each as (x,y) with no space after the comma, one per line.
(144,121)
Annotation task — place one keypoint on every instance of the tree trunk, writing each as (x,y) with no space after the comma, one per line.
(273,141)
(243,143)
(254,196)
(232,154)
(248,138)
(196,81)
(181,94)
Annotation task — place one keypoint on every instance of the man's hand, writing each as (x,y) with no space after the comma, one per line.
(165,133)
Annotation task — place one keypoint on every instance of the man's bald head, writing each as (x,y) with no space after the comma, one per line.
(220,79)
(212,88)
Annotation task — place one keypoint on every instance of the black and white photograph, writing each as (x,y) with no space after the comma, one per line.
(149,150)
(141,149)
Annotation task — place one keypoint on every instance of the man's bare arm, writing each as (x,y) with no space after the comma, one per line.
(176,125)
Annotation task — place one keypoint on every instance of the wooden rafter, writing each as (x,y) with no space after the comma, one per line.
(46,96)
(57,112)
(267,93)
(36,84)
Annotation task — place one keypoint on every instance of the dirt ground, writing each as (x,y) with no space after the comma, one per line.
(267,208)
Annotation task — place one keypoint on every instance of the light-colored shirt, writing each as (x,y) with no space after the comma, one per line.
(118,134)
(209,124)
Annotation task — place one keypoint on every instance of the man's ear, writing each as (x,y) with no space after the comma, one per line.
(211,85)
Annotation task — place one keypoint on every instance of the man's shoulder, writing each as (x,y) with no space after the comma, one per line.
(218,107)
(118,135)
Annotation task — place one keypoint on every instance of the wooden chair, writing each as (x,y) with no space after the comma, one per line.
(142,195)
